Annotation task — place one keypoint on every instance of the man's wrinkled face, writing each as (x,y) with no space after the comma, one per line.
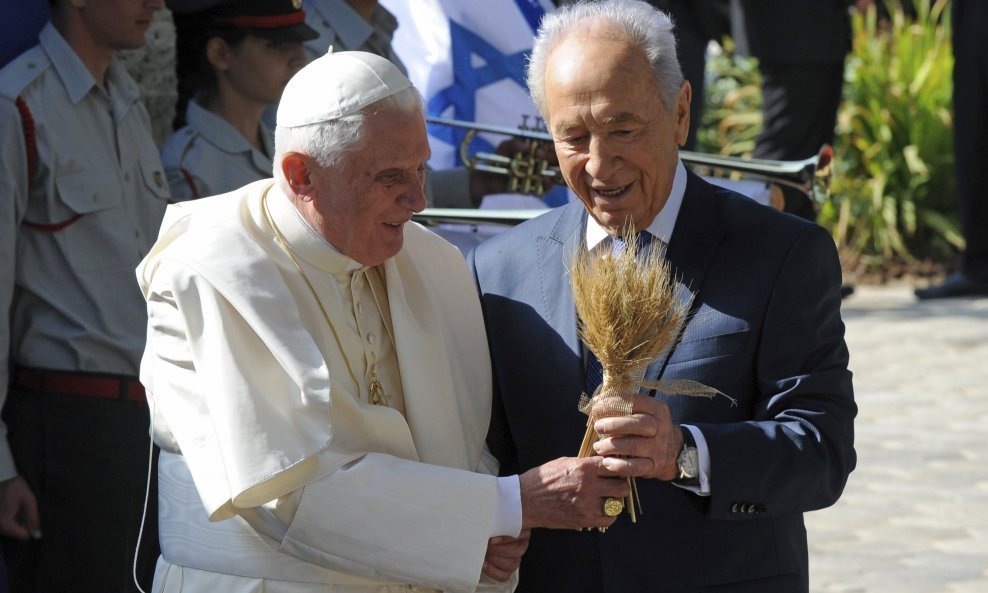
(617,144)
(364,201)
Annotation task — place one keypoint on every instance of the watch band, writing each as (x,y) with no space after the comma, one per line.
(688,440)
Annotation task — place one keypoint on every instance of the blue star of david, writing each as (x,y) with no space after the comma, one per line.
(467,79)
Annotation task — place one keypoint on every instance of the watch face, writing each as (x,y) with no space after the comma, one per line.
(688,464)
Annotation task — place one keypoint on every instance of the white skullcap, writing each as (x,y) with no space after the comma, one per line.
(337,84)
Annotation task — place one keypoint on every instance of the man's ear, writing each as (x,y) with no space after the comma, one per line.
(683,112)
(297,169)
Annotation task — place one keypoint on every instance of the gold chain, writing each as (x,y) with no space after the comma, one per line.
(291,255)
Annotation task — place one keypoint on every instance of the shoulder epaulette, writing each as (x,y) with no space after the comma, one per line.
(22,71)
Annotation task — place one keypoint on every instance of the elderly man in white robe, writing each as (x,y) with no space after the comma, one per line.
(318,372)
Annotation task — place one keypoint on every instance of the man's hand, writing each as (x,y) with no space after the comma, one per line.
(643,444)
(504,555)
(18,510)
(569,493)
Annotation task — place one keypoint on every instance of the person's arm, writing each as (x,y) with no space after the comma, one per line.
(18,507)
(797,451)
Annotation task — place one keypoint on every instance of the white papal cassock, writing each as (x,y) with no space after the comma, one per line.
(277,473)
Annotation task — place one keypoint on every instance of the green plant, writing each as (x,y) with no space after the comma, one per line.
(732,116)
(893,188)
(893,192)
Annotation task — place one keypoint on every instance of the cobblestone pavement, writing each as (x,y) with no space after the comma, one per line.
(914,515)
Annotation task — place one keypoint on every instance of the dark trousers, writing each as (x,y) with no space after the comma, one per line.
(971,131)
(692,52)
(799,103)
(86,459)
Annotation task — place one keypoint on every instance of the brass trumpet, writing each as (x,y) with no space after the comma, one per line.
(528,173)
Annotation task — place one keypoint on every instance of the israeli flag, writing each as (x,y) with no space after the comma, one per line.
(467,58)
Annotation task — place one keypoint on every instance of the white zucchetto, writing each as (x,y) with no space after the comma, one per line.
(337,84)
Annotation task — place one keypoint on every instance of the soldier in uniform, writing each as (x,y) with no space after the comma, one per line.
(234,59)
(82,194)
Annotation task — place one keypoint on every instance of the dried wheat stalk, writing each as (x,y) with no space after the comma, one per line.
(629,315)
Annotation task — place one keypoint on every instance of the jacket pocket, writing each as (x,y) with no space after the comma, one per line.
(710,346)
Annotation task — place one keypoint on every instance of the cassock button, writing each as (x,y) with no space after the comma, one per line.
(371,338)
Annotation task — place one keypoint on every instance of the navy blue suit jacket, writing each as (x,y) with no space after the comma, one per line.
(767,331)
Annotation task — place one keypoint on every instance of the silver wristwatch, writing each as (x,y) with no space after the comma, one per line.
(688,461)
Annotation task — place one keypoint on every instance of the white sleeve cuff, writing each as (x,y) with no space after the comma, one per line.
(507,513)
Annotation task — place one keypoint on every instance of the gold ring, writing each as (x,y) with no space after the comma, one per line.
(613,507)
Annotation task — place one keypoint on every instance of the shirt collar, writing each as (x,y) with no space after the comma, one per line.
(219,131)
(664,222)
(76,77)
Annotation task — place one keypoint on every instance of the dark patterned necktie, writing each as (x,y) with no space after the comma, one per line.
(594,370)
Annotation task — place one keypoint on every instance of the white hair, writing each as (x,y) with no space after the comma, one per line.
(642,24)
(328,142)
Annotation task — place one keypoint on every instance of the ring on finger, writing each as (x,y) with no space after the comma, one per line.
(613,506)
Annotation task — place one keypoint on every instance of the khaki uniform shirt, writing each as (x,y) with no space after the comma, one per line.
(71,235)
(209,156)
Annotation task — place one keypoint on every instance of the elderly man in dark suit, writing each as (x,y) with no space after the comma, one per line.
(723,486)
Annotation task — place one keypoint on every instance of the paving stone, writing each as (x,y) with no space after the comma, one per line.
(914,514)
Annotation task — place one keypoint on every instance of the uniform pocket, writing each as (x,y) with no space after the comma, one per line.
(84,192)
(102,237)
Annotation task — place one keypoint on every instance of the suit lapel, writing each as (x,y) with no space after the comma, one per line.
(695,240)
(554,248)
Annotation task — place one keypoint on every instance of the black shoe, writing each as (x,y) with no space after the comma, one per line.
(957,284)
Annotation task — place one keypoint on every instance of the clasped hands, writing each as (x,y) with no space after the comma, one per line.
(568,493)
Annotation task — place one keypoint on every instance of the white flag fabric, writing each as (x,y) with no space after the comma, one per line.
(467,58)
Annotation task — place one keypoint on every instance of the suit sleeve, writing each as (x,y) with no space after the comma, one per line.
(499,440)
(797,451)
